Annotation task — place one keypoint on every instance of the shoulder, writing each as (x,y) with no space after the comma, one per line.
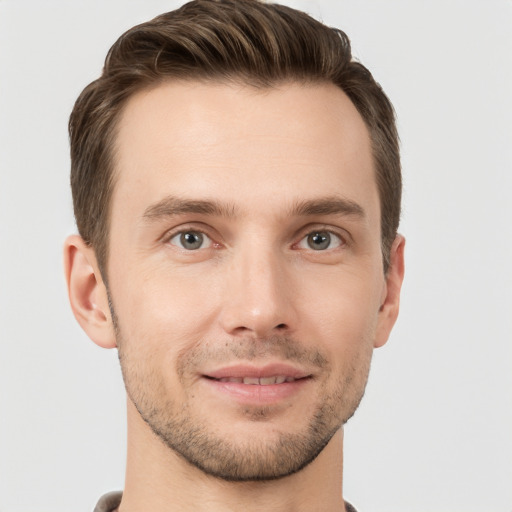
(349,507)
(110,501)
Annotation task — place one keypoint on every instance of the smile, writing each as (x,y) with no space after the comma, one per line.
(258,381)
(257,385)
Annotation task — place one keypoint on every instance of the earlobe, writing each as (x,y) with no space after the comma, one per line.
(87,292)
(390,303)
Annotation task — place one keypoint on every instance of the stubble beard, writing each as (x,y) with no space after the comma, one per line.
(252,459)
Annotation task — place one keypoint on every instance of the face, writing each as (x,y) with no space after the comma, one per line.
(245,270)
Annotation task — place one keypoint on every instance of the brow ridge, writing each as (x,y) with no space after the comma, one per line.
(172,206)
(331,205)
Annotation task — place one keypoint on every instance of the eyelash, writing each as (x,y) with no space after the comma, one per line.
(334,237)
(170,236)
(343,240)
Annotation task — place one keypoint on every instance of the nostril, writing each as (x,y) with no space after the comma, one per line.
(281,326)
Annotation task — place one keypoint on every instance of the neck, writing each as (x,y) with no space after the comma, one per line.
(160,480)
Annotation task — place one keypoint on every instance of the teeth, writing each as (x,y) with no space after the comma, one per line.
(251,380)
(263,381)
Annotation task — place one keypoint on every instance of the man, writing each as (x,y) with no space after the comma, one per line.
(236,184)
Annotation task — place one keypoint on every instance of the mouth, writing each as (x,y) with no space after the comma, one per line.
(267,375)
(257,381)
(257,385)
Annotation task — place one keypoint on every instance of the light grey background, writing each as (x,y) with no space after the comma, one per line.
(434,431)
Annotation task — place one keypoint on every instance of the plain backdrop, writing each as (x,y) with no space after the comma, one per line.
(434,432)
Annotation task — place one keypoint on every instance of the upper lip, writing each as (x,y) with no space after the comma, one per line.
(268,370)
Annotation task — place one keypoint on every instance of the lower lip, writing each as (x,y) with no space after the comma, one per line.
(256,393)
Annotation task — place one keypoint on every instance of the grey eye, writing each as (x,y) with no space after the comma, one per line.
(319,240)
(191,240)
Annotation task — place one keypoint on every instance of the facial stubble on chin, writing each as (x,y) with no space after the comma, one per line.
(192,438)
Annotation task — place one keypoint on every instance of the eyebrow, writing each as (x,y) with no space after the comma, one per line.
(172,206)
(333,205)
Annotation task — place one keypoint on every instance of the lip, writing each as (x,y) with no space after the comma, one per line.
(267,370)
(256,394)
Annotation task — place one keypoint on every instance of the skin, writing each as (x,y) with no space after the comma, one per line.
(260,175)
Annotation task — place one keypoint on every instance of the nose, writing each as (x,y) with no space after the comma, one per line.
(258,296)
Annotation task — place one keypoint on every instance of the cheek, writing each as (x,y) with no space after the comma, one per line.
(168,305)
(345,305)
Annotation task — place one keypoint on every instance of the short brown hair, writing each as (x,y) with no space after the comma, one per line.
(247,41)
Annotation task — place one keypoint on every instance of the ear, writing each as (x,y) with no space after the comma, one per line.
(87,292)
(390,301)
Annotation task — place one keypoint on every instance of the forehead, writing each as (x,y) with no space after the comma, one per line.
(241,144)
